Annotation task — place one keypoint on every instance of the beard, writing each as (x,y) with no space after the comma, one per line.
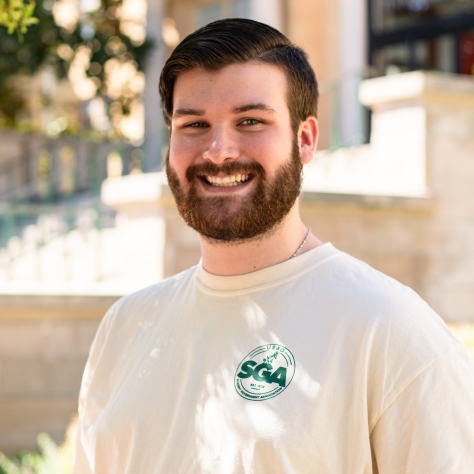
(235,218)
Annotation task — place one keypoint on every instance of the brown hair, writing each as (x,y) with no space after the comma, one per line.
(235,40)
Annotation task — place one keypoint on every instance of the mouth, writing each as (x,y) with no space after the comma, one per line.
(227,181)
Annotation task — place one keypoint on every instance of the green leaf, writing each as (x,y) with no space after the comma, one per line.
(16,16)
(30,21)
(30,8)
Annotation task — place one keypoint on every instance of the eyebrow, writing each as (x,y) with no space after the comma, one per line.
(257,106)
(182,112)
(238,110)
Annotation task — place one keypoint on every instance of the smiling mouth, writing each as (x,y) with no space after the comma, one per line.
(227,181)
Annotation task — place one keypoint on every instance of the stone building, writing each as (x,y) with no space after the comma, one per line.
(401,201)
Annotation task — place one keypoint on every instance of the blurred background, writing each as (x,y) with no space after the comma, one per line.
(87,217)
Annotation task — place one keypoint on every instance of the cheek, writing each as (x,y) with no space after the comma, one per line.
(181,155)
(269,149)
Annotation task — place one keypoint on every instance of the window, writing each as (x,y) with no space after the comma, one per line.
(390,15)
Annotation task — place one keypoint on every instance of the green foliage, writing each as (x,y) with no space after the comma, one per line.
(37,48)
(47,461)
(46,43)
(11,107)
(16,16)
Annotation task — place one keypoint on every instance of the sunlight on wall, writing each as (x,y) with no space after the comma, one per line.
(465,333)
(84,87)
(132,14)
(66,13)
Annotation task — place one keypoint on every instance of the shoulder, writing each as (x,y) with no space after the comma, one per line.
(390,317)
(371,295)
(354,281)
(391,306)
(402,334)
(398,333)
(149,300)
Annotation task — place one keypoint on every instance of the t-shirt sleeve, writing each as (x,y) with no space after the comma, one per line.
(429,427)
(81,460)
(80,463)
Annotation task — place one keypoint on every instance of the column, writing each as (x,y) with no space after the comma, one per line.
(155,132)
(353,44)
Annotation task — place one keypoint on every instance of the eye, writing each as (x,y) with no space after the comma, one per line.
(196,125)
(250,122)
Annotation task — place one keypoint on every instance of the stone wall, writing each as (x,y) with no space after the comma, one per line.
(44,344)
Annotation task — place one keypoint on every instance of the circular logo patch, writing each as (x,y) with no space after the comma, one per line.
(265,372)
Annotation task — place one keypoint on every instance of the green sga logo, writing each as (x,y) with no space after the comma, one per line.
(265,372)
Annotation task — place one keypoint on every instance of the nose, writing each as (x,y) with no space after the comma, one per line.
(222,146)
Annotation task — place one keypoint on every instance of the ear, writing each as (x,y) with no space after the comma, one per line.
(308,135)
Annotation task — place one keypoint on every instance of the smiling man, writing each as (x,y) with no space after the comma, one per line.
(235,163)
(276,353)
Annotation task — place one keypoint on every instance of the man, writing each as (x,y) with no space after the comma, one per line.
(276,353)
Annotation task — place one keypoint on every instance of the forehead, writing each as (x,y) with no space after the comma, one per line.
(231,87)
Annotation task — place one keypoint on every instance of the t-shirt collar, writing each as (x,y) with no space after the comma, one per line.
(269,276)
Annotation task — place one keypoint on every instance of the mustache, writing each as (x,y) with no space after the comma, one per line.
(211,169)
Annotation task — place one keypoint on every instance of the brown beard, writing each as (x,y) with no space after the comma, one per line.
(237,218)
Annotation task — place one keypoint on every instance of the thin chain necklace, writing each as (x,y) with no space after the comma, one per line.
(301,246)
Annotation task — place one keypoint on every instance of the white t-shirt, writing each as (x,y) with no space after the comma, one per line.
(320,364)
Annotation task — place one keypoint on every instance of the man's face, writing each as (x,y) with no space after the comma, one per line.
(233,165)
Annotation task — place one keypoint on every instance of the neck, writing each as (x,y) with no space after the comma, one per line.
(245,257)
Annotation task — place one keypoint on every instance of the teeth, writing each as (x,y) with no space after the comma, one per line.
(233,180)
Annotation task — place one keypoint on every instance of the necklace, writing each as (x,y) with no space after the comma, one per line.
(301,246)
